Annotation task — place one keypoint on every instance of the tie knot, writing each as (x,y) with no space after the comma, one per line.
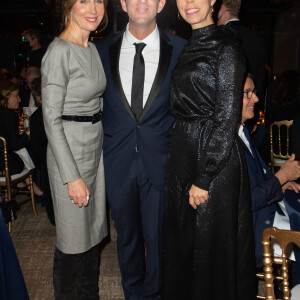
(139,47)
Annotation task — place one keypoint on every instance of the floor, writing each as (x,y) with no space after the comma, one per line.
(34,240)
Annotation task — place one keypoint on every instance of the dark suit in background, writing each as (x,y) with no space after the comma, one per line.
(135,154)
(38,147)
(12,285)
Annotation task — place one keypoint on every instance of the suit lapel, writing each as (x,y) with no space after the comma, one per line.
(245,147)
(254,157)
(114,57)
(163,67)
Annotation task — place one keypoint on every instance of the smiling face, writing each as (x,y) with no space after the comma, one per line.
(86,15)
(248,104)
(196,12)
(142,14)
(13,100)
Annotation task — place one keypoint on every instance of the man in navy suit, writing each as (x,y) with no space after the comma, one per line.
(274,197)
(136,141)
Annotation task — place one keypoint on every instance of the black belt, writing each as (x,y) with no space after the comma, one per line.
(94,119)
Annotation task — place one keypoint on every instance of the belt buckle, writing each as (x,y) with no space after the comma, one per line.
(94,118)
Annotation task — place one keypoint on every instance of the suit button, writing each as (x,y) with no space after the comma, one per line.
(138,126)
(137,148)
(267,222)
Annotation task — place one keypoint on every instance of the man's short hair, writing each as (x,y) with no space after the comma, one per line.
(33,34)
(232,6)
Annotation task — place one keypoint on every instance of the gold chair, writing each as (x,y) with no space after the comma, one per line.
(277,159)
(284,237)
(9,183)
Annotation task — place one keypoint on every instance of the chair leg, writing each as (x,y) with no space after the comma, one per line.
(32,195)
(9,226)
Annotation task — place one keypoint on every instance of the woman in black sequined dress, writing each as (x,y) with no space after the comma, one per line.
(208,244)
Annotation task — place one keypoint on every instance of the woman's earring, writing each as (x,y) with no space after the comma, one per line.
(212,9)
(179,16)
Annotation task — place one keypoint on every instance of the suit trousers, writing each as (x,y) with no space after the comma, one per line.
(75,276)
(137,210)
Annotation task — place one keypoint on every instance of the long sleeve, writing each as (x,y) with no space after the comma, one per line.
(55,79)
(228,100)
(265,193)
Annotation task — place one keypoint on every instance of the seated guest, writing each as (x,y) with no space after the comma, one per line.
(9,126)
(38,143)
(9,129)
(12,285)
(3,72)
(29,74)
(270,206)
(12,76)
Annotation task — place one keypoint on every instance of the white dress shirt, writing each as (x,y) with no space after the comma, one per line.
(232,20)
(244,138)
(151,58)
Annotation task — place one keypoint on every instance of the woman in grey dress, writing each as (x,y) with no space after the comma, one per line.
(73,81)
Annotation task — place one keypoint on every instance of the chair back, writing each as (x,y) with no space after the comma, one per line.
(4,171)
(284,237)
(277,159)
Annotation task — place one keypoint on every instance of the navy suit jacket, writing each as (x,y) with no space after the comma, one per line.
(122,132)
(265,192)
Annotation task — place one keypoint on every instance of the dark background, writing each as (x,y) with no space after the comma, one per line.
(263,16)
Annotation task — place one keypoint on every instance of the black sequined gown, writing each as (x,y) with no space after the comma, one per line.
(208,252)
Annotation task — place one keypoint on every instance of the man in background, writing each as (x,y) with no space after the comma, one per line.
(36,52)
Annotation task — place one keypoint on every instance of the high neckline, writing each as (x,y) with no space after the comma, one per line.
(203,30)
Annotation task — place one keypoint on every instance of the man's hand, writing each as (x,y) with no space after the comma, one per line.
(291,185)
(289,171)
(197,196)
(78,192)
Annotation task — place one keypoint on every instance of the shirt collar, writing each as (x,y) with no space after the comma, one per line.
(151,40)
(241,131)
(232,20)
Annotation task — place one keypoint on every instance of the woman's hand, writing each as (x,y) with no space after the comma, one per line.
(78,192)
(197,196)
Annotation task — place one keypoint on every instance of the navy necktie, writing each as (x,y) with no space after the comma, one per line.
(138,78)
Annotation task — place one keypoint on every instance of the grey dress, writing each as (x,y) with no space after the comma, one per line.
(73,81)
